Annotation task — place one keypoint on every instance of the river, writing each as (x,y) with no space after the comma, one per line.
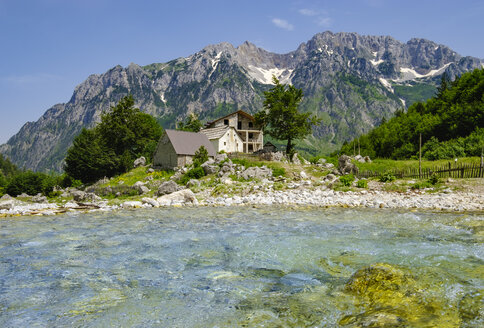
(239,267)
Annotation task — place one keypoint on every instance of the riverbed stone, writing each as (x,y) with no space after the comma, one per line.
(132,204)
(168,187)
(150,201)
(185,196)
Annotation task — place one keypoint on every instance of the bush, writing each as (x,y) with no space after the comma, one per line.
(362,184)
(278,171)
(195,173)
(347,180)
(433,180)
(201,156)
(31,183)
(387,177)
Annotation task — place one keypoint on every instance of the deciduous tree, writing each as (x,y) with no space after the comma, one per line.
(281,119)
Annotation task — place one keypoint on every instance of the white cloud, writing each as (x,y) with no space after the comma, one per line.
(308,12)
(321,16)
(324,21)
(281,23)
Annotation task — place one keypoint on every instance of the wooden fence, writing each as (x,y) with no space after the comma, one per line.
(471,170)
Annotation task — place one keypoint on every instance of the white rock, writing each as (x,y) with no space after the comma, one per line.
(185,196)
(132,204)
(150,201)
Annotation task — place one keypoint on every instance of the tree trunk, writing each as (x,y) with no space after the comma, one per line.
(289,149)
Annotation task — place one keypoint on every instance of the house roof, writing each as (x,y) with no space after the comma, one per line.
(215,133)
(187,143)
(241,112)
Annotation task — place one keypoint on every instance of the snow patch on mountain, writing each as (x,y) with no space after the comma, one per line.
(386,84)
(411,74)
(376,62)
(265,75)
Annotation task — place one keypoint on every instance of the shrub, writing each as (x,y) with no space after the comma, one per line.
(362,184)
(347,180)
(278,171)
(201,156)
(387,177)
(195,173)
(433,180)
(31,183)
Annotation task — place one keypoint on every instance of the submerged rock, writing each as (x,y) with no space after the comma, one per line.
(388,296)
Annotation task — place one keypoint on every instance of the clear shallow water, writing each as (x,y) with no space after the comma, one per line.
(218,267)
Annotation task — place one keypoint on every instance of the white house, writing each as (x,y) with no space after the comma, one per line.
(249,135)
(224,138)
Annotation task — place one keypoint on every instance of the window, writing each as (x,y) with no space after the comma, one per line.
(251,135)
(226,122)
(251,125)
(239,125)
(225,143)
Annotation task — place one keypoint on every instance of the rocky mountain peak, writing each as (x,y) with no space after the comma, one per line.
(351,81)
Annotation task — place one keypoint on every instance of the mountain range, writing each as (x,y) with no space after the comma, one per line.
(351,81)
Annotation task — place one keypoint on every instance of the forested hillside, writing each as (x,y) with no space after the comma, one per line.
(451,124)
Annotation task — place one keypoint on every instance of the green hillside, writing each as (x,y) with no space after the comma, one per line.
(451,124)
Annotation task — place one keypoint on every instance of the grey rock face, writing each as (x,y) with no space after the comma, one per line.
(168,187)
(345,77)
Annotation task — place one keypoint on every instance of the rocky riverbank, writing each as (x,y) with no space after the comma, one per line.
(301,195)
(230,184)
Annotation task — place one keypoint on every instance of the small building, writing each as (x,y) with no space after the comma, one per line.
(269,147)
(244,125)
(224,138)
(177,148)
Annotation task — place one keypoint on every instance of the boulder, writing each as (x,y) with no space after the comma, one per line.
(6,197)
(150,201)
(210,168)
(219,158)
(139,162)
(256,173)
(7,204)
(39,198)
(193,183)
(168,187)
(81,196)
(140,187)
(367,159)
(345,165)
(295,159)
(185,196)
(150,170)
(272,156)
(132,204)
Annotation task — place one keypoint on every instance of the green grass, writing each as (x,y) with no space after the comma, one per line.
(383,165)
(137,174)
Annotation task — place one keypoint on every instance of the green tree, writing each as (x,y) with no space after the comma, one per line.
(110,148)
(281,119)
(191,124)
(89,159)
(201,156)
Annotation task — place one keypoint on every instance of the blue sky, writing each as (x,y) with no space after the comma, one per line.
(47,47)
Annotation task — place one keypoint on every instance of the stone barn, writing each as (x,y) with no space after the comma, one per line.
(177,148)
